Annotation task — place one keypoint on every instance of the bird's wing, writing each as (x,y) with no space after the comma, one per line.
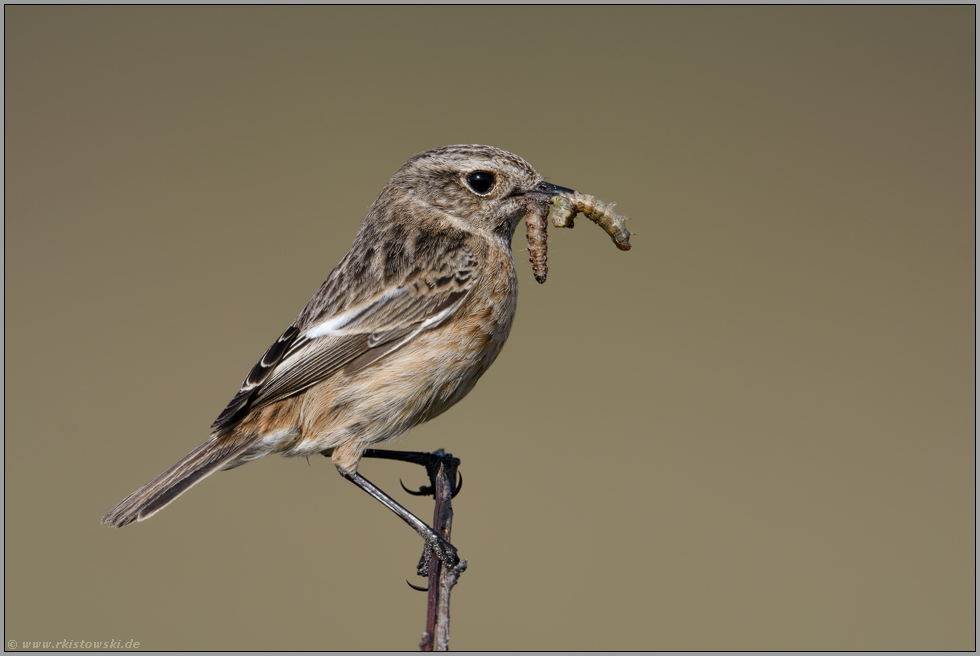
(311,350)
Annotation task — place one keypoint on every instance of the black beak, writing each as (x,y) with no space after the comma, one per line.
(544,191)
(547,190)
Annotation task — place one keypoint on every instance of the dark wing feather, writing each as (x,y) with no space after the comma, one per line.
(317,360)
(258,375)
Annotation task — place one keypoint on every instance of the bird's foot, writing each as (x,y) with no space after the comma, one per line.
(444,551)
(431,462)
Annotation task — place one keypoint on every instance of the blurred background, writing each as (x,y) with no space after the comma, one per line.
(755,430)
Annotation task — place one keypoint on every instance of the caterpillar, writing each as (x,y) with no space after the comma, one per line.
(536,222)
(564,207)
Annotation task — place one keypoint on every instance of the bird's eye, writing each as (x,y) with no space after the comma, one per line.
(481,181)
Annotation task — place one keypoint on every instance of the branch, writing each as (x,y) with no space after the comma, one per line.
(441,578)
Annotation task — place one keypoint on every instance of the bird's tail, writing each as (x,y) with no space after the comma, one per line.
(194,467)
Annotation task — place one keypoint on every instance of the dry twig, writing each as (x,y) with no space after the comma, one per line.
(441,578)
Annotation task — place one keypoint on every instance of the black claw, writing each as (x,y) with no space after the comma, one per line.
(458,487)
(424,491)
(418,587)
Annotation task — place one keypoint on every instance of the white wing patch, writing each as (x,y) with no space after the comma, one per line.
(335,325)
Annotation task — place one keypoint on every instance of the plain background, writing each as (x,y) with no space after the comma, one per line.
(755,430)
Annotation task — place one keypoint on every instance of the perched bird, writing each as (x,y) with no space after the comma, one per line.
(400,331)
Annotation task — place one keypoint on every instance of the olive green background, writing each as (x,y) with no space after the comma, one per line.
(755,430)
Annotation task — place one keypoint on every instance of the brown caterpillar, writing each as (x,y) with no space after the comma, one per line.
(536,222)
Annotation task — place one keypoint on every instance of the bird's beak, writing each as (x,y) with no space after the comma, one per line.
(545,191)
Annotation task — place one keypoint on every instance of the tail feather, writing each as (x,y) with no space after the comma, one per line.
(192,469)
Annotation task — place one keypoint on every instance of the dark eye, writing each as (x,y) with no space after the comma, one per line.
(481,181)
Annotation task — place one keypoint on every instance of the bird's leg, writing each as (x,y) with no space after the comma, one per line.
(433,541)
(430,461)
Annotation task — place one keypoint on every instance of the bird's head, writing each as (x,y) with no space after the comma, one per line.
(483,187)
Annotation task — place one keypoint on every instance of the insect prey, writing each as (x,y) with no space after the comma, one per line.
(562,209)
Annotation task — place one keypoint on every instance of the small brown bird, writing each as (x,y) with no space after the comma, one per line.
(401,330)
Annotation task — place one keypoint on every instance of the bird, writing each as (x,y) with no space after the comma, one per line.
(400,331)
